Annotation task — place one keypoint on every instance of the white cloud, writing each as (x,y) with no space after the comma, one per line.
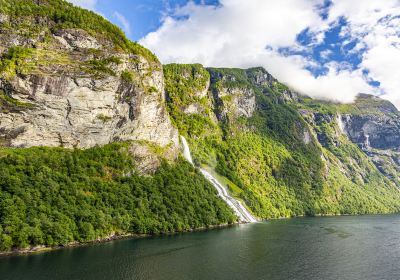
(87,4)
(237,33)
(325,54)
(375,23)
(124,22)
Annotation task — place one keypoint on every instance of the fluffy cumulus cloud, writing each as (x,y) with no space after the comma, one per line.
(239,33)
(376,26)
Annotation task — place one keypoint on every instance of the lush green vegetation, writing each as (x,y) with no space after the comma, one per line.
(8,104)
(98,67)
(265,159)
(363,105)
(184,85)
(13,61)
(65,15)
(127,76)
(104,118)
(55,196)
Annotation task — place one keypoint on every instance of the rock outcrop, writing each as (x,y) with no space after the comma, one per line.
(82,112)
(65,87)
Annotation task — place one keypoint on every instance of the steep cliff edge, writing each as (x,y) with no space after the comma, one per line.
(69,78)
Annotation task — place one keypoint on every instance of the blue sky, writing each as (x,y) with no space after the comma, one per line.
(332,49)
(144,16)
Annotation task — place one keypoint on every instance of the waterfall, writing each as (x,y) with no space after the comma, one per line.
(186,150)
(241,211)
(340,123)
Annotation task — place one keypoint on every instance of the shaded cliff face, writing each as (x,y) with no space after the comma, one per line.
(376,125)
(370,123)
(71,83)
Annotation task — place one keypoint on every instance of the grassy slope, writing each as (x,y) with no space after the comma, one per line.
(265,158)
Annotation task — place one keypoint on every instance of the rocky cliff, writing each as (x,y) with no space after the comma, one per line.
(65,83)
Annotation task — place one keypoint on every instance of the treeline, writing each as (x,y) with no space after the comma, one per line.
(54,196)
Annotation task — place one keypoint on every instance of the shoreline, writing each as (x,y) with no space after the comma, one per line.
(43,248)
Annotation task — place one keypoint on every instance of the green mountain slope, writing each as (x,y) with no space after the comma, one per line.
(265,140)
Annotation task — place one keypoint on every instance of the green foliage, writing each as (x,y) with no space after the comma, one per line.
(65,15)
(12,62)
(364,104)
(127,76)
(8,103)
(151,90)
(101,66)
(104,118)
(267,162)
(279,87)
(229,78)
(184,84)
(54,196)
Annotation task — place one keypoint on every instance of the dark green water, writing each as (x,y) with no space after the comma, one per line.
(365,247)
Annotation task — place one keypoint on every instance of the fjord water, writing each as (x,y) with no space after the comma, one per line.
(352,247)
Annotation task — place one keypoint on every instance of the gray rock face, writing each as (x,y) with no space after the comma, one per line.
(260,77)
(231,98)
(76,39)
(235,102)
(4,18)
(319,120)
(379,132)
(84,112)
(197,107)
(375,124)
(81,99)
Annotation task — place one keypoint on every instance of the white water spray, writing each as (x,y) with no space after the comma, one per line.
(340,123)
(186,150)
(243,214)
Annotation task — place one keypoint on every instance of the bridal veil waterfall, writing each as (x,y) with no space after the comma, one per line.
(243,214)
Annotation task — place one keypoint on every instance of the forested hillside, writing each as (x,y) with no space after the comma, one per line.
(281,153)
(55,196)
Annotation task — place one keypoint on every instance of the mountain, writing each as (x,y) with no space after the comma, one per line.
(282,153)
(89,126)
(70,80)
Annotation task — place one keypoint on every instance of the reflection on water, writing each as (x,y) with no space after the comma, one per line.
(366,247)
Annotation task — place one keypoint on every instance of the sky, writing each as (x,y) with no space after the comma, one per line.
(328,49)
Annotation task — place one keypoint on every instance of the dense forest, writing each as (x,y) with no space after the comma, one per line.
(54,196)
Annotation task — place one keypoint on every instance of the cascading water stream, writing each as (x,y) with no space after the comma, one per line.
(243,214)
